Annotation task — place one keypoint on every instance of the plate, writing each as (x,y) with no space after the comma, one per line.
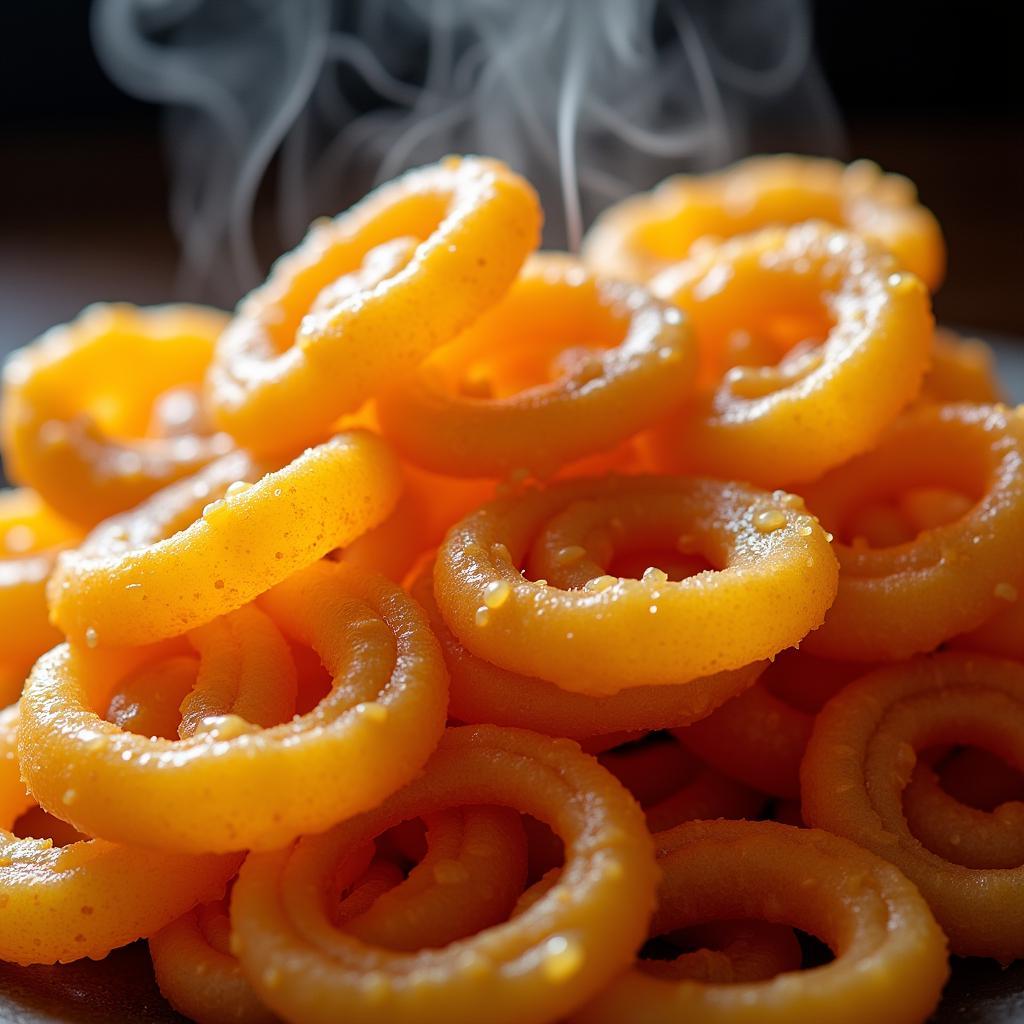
(121,988)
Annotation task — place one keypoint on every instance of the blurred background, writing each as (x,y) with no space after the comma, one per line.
(90,164)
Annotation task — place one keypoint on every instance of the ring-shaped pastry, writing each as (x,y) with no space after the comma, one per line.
(860,760)
(482,693)
(775,578)
(640,236)
(846,337)
(628,359)
(87,898)
(469,878)
(209,545)
(197,972)
(910,596)
(79,403)
(233,785)
(367,296)
(890,956)
(536,967)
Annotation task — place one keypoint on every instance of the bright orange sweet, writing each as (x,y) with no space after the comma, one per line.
(811,341)
(468,879)
(197,973)
(31,534)
(483,693)
(620,361)
(538,966)
(915,592)
(84,899)
(79,407)
(773,580)
(640,236)
(238,783)
(208,545)
(369,295)
(890,962)
(861,757)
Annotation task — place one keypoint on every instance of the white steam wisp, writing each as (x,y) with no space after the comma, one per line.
(591,99)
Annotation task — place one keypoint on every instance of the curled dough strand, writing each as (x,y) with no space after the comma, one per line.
(482,693)
(234,785)
(775,578)
(890,956)
(628,359)
(367,296)
(858,769)
(79,407)
(909,596)
(210,544)
(536,967)
(640,236)
(87,898)
(811,343)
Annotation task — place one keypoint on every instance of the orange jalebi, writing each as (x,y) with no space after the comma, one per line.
(810,343)
(858,768)
(367,296)
(647,232)
(81,407)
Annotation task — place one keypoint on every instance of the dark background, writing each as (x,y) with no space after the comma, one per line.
(931,90)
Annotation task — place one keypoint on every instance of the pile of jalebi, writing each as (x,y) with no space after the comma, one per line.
(436,638)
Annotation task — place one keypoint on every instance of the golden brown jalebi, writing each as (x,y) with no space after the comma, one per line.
(810,343)
(80,406)
(369,295)
(208,545)
(774,577)
(536,967)
(482,692)
(643,234)
(197,973)
(621,359)
(890,962)
(469,878)
(234,782)
(84,899)
(862,755)
(909,595)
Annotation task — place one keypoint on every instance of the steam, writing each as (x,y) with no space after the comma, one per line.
(320,100)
